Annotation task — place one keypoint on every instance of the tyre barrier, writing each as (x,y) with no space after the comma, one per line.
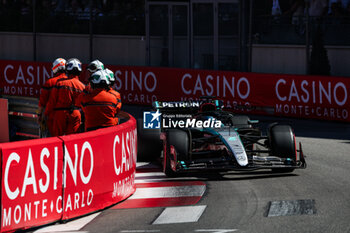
(59,178)
(22,118)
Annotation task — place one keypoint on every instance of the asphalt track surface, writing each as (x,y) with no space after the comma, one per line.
(315,199)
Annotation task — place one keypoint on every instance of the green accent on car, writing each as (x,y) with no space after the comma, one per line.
(232,138)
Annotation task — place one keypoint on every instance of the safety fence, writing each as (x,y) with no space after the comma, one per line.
(59,178)
(293,30)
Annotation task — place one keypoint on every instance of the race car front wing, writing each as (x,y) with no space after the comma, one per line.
(227,163)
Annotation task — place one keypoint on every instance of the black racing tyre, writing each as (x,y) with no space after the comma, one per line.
(240,121)
(149,145)
(180,140)
(282,142)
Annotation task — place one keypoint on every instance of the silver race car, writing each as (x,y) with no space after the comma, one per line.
(200,135)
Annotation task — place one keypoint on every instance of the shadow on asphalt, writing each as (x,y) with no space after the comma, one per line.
(155,166)
(225,176)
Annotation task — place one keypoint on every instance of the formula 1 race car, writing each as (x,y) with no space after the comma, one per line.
(200,135)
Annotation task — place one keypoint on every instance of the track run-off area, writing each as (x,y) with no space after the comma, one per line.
(315,199)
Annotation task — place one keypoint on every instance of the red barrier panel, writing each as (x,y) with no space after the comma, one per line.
(276,94)
(25,78)
(99,168)
(31,183)
(301,96)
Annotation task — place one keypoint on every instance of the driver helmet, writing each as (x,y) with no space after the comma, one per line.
(58,65)
(207,107)
(94,66)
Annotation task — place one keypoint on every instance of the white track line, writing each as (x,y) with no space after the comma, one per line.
(180,214)
(139,231)
(149,174)
(172,191)
(216,230)
(70,226)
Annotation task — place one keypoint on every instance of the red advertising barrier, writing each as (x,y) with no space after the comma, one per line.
(31,183)
(100,168)
(46,180)
(23,78)
(20,78)
(277,94)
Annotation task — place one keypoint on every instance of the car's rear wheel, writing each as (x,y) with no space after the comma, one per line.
(149,145)
(282,142)
(180,140)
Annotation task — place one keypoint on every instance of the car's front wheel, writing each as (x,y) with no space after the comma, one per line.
(149,145)
(282,143)
(179,140)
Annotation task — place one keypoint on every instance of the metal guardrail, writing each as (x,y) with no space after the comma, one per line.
(22,118)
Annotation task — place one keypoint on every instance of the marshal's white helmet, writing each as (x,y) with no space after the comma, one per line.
(100,77)
(74,66)
(95,65)
(58,65)
(110,75)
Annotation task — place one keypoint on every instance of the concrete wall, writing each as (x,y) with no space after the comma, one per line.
(290,59)
(131,50)
(51,46)
(120,50)
(16,46)
(116,50)
(339,59)
(286,59)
